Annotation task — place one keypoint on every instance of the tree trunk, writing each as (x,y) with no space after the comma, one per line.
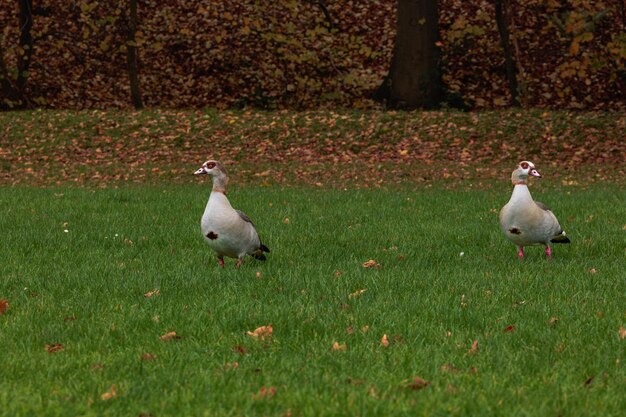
(414,79)
(14,93)
(503,28)
(131,49)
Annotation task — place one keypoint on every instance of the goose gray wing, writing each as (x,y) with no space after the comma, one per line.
(245,217)
(542,206)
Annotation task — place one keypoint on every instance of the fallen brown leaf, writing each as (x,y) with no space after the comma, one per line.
(4,306)
(239,349)
(622,332)
(356,293)
(474,348)
(418,383)
(152,293)
(55,347)
(264,392)
(510,328)
(148,356)
(109,394)
(263,332)
(371,264)
(384,340)
(339,347)
(169,336)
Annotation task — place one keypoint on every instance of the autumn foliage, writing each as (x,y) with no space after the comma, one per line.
(305,54)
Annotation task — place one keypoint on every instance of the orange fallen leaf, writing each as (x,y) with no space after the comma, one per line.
(239,349)
(169,336)
(356,293)
(553,320)
(622,333)
(264,392)
(371,264)
(109,394)
(384,341)
(55,347)
(4,306)
(339,347)
(148,356)
(152,293)
(418,383)
(474,348)
(262,332)
(510,328)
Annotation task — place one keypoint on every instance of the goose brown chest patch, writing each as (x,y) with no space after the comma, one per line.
(211,235)
(515,231)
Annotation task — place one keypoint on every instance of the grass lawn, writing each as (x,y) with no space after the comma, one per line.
(80,338)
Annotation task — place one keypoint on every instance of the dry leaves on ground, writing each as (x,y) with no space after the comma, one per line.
(264,393)
(4,306)
(371,264)
(55,347)
(152,293)
(262,332)
(170,336)
(356,293)
(339,347)
(111,393)
(417,384)
(474,349)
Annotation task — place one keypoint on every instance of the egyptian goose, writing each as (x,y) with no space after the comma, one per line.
(228,232)
(526,222)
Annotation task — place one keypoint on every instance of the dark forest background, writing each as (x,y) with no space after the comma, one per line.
(304,54)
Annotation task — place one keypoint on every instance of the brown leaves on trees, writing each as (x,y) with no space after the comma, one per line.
(300,55)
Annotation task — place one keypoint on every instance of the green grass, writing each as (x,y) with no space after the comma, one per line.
(85,290)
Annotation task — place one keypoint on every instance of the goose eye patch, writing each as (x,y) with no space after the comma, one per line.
(525,165)
(210,165)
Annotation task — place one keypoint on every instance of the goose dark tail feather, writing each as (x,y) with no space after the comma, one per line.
(560,238)
(259,253)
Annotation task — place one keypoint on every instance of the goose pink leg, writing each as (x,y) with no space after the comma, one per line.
(548,252)
(220,261)
(239,262)
(520,252)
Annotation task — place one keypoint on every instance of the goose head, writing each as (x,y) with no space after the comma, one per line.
(524,170)
(216,170)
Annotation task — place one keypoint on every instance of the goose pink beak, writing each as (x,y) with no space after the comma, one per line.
(535,173)
(200,170)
